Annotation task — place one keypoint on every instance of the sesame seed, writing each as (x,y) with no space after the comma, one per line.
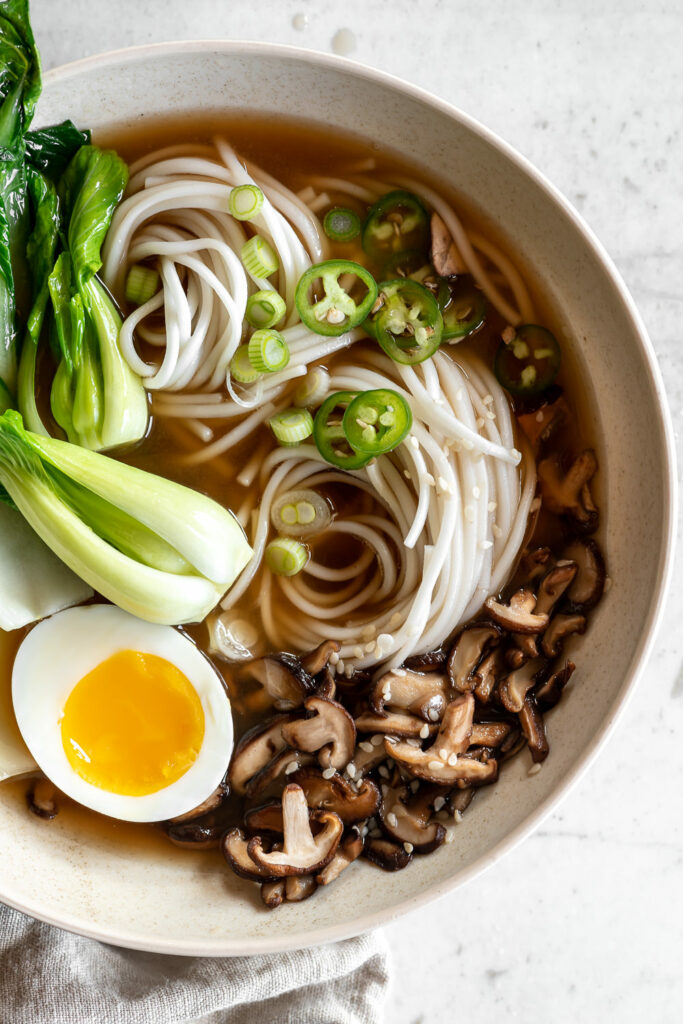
(358,651)
(408,847)
(452,759)
(485,544)
(413,442)
(487,399)
(386,693)
(328,773)
(368,632)
(443,483)
(496,530)
(340,665)
(291,767)
(334,658)
(369,647)
(414,786)
(535,505)
(392,819)
(439,802)
(434,765)
(476,493)
(429,480)
(377,740)
(534,770)
(459,395)
(348,671)
(407,475)
(469,513)
(450,835)
(424,731)
(395,619)
(367,747)
(492,506)
(539,416)
(433,714)
(480,422)
(490,415)
(383,771)
(457,817)
(443,754)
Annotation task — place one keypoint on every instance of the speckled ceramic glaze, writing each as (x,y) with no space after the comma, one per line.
(160,899)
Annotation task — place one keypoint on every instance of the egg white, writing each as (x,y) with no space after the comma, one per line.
(60,651)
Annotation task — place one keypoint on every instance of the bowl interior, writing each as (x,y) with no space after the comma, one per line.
(150,897)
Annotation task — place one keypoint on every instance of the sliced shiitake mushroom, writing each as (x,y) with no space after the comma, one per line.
(386,854)
(273,893)
(394,723)
(195,835)
(256,748)
(283,677)
(349,849)
(513,688)
(568,494)
(234,847)
(446,259)
(489,671)
(441,763)
(547,694)
(430,661)
(561,626)
(338,795)
(329,731)
(471,645)
(302,852)
(42,798)
(531,721)
(589,582)
(410,820)
(424,694)
(553,586)
(518,615)
(316,660)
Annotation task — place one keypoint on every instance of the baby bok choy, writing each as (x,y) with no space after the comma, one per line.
(96,398)
(154,547)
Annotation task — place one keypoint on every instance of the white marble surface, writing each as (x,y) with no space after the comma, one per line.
(583,921)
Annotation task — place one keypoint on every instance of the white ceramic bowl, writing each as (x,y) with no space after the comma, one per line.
(158,899)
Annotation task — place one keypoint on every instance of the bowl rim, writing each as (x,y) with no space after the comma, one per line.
(129,937)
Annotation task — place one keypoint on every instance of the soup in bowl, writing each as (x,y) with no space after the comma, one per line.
(349,498)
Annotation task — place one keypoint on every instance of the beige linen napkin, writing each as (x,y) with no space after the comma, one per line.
(48,976)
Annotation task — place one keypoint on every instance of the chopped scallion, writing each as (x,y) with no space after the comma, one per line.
(265,308)
(341,225)
(300,513)
(245,202)
(241,367)
(292,426)
(268,351)
(259,258)
(286,556)
(141,284)
(313,389)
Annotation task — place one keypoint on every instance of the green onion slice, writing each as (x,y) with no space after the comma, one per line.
(348,294)
(286,556)
(141,284)
(341,225)
(313,388)
(245,202)
(265,308)
(292,426)
(300,513)
(241,367)
(268,351)
(529,364)
(329,436)
(376,422)
(259,258)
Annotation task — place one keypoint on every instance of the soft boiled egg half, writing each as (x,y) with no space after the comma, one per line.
(125,717)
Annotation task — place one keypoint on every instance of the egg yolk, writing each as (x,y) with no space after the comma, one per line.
(133,725)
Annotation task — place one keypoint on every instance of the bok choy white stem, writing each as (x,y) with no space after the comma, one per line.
(155,548)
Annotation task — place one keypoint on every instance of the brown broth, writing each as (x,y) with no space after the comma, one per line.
(293,152)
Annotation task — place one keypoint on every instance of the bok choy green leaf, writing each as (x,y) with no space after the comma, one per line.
(155,548)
